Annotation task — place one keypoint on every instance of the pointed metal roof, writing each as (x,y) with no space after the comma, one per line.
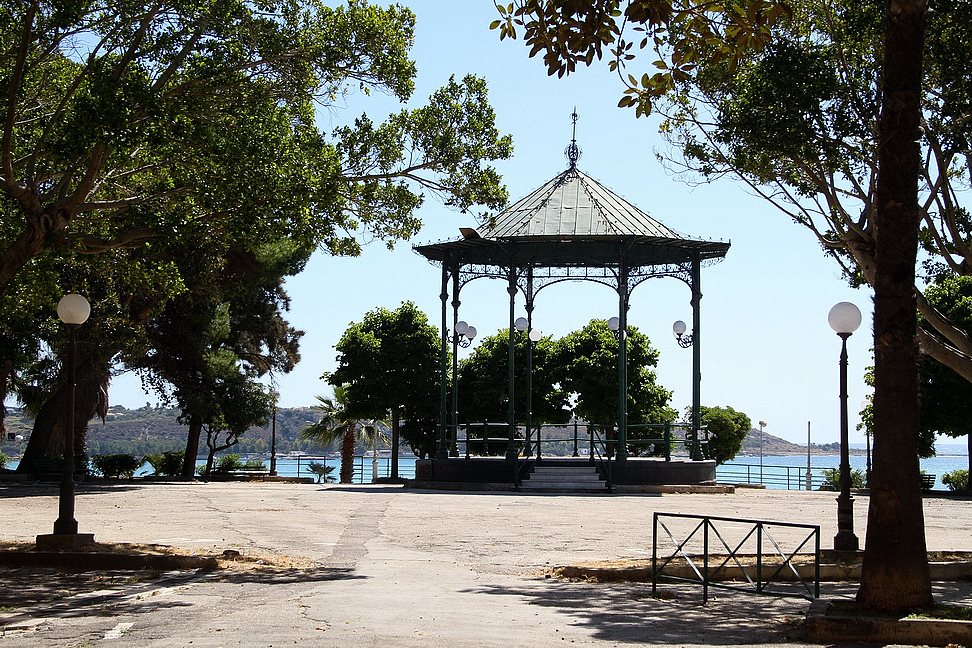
(573,205)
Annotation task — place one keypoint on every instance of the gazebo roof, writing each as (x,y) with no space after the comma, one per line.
(573,204)
(572,221)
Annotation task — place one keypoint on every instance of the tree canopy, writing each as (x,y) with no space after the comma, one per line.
(727,430)
(126,121)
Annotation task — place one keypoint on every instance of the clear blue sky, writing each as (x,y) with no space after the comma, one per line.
(767,348)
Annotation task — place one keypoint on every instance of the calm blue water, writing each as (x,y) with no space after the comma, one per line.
(788,471)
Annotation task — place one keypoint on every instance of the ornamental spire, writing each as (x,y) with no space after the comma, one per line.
(573,152)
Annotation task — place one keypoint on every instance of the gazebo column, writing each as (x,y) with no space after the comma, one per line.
(511,409)
(623,296)
(442,450)
(529,350)
(696,357)
(455,363)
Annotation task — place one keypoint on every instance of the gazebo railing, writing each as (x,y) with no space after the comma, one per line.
(577,439)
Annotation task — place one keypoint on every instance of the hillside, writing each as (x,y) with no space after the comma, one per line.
(149,429)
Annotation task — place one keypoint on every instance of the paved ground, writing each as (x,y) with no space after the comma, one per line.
(382,566)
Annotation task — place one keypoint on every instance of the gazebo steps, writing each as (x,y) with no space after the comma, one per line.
(564,479)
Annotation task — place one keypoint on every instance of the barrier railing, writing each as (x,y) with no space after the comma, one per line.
(753,574)
(773,476)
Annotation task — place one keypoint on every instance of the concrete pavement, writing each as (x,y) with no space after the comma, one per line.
(383,566)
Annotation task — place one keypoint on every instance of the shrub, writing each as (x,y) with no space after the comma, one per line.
(321,471)
(116,465)
(3,460)
(957,480)
(832,479)
(166,464)
(228,463)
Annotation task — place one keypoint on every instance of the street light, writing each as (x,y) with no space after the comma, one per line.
(844,318)
(463,336)
(678,330)
(522,324)
(73,310)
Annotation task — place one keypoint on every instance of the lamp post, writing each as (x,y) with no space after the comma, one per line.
(867,438)
(522,325)
(762,424)
(73,310)
(463,336)
(844,318)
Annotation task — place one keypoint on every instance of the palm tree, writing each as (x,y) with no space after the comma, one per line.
(336,424)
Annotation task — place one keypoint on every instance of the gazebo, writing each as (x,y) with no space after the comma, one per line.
(570,229)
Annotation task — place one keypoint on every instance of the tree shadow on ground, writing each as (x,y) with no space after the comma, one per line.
(627,612)
(52,592)
(51,489)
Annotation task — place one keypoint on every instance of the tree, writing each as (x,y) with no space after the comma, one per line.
(389,362)
(727,430)
(226,330)
(895,573)
(338,423)
(586,365)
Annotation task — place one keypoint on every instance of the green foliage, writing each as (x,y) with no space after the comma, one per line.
(727,431)
(677,33)
(232,462)
(337,423)
(484,382)
(956,480)
(165,464)
(832,479)
(390,361)
(119,465)
(321,471)
(3,460)
(586,364)
(946,397)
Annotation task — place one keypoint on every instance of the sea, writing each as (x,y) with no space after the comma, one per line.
(772,471)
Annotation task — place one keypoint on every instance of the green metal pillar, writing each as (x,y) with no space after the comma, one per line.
(529,350)
(442,451)
(623,361)
(696,357)
(455,364)
(511,409)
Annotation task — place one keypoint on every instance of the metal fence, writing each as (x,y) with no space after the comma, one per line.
(783,477)
(760,553)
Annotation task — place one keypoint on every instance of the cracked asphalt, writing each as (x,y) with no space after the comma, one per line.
(383,566)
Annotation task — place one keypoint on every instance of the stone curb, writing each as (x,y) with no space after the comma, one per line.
(824,628)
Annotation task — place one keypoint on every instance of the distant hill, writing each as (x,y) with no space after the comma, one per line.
(148,429)
(773,445)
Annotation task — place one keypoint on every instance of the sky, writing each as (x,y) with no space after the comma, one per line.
(767,349)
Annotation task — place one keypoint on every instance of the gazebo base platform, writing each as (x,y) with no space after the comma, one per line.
(637,475)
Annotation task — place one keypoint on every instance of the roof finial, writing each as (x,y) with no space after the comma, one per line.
(573,152)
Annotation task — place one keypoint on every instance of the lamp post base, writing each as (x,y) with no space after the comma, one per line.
(63,541)
(846,541)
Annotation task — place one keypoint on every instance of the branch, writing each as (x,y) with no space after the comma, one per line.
(960,363)
(942,325)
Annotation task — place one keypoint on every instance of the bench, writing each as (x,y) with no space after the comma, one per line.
(927,482)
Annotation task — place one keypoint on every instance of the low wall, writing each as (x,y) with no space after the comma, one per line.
(498,470)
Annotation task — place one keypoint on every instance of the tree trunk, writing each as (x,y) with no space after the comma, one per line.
(192,447)
(895,574)
(347,454)
(47,436)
